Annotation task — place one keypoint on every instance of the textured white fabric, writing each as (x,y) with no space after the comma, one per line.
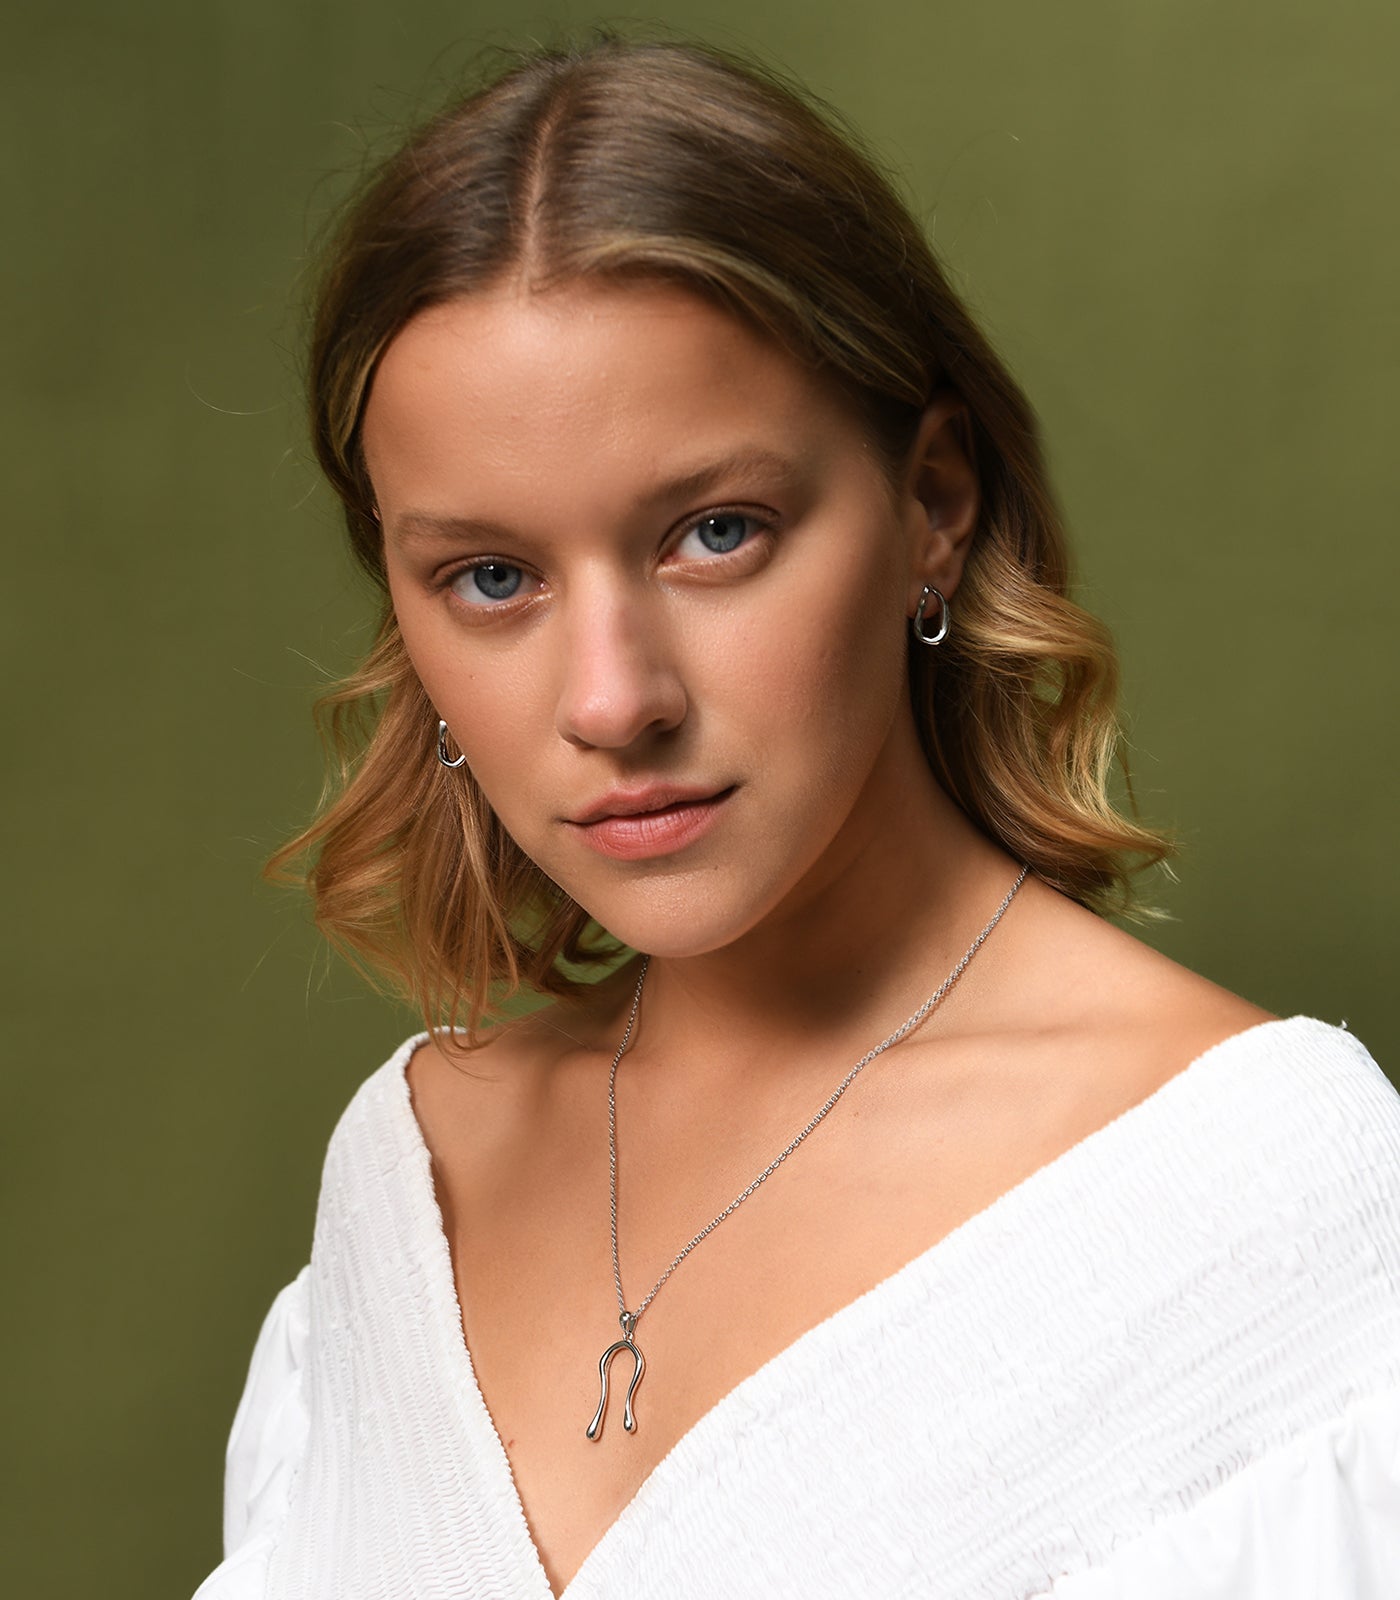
(1166,1364)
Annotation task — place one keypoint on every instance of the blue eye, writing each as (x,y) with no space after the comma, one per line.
(487,582)
(720,533)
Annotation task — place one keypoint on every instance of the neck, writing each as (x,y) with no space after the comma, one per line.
(846,957)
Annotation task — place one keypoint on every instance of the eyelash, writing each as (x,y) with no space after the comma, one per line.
(760,524)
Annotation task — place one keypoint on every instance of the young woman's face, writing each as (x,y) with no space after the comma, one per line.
(651,573)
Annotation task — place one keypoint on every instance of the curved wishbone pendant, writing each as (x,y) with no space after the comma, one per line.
(626,1342)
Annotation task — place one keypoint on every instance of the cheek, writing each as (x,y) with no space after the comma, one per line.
(484,713)
(837,662)
(499,731)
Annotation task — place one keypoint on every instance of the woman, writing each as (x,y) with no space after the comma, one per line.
(896,1224)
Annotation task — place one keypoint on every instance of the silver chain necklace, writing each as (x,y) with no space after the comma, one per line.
(628,1319)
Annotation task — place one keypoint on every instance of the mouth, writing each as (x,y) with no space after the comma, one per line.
(653,822)
(651,801)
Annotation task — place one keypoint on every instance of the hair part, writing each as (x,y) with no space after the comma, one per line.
(618,160)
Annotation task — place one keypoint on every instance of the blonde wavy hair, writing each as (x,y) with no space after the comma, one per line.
(625,159)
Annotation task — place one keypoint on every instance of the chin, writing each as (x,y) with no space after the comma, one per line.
(672,921)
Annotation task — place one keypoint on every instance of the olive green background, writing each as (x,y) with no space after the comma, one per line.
(1178,220)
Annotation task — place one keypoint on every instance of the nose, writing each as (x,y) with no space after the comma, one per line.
(620,679)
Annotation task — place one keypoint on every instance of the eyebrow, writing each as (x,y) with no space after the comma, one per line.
(423,527)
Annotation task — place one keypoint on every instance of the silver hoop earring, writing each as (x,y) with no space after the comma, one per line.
(442,747)
(944,618)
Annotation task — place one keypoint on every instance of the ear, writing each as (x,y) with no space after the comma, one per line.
(939,497)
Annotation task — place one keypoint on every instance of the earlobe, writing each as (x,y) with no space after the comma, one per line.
(943,497)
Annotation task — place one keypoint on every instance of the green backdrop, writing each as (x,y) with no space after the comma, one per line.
(1176,217)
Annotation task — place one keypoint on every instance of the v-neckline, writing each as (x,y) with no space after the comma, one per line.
(444,1298)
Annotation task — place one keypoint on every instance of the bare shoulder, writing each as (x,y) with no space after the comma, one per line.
(469,1101)
(1132,1016)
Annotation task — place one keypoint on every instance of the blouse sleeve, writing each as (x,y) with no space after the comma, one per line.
(1318,1516)
(264,1448)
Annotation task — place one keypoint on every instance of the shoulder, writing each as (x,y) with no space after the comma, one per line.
(474,1103)
(1281,1144)
(1097,994)
(1303,1089)
(1101,1021)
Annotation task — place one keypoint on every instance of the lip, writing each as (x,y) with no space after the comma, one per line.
(636,824)
(636,802)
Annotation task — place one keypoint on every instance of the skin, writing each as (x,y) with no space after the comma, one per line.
(572,614)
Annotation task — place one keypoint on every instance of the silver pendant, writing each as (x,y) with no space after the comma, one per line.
(626,1342)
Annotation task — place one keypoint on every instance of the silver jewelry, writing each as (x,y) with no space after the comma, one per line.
(629,1319)
(945,617)
(442,747)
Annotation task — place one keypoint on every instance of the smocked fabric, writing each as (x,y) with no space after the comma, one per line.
(1167,1364)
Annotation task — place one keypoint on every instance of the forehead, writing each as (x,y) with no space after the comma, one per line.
(511,387)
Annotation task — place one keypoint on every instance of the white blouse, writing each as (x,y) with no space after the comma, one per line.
(1166,1366)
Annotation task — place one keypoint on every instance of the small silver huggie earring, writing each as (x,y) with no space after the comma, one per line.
(945,617)
(442,747)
